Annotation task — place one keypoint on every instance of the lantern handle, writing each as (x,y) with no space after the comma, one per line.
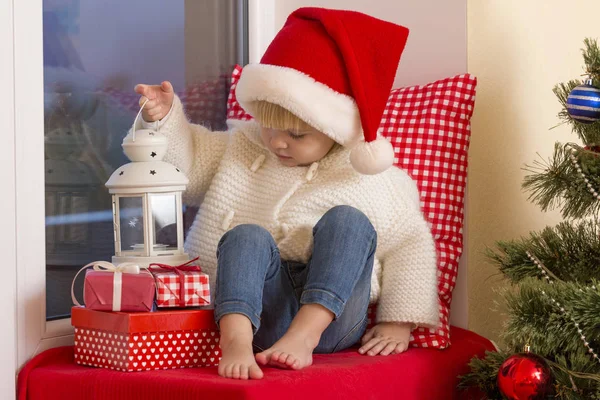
(137,117)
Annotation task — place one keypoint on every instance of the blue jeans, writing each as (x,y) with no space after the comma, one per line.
(253,280)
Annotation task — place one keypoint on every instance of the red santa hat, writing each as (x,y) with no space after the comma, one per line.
(334,69)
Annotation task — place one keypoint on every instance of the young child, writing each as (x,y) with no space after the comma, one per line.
(302,224)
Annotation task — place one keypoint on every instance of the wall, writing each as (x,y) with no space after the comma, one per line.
(519,50)
(436,46)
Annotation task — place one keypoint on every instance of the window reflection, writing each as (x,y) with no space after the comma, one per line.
(164,218)
(94,53)
(131,224)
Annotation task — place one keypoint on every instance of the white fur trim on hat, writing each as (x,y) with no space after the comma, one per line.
(326,110)
(370,158)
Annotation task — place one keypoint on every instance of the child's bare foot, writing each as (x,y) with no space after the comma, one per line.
(238,360)
(293,350)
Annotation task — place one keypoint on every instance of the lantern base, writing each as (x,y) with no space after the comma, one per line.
(143,262)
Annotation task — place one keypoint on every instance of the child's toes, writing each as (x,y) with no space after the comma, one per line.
(263,358)
(244,372)
(275,356)
(283,358)
(227,371)
(254,372)
(290,360)
(235,371)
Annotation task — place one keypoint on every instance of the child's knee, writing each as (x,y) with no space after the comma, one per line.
(251,234)
(347,216)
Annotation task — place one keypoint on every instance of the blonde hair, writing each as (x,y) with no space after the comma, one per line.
(274,116)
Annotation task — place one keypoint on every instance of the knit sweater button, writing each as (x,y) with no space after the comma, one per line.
(227,220)
(312,171)
(285,229)
(257,163)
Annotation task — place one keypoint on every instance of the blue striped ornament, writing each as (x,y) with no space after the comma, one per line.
(583,103)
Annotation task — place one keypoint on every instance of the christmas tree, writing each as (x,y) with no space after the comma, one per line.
(553,301)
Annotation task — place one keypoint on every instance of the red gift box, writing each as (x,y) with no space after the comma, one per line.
(180,286)
(137,291)
(125,287)
(145,341)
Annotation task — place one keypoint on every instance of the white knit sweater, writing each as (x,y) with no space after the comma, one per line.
(236,180)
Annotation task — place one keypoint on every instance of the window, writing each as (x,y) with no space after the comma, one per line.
(94,54)
(25,152)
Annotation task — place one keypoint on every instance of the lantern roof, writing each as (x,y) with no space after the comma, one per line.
(146,176)
(146,172)
(145,145)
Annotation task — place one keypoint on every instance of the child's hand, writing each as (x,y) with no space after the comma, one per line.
(160,99)
(386,338)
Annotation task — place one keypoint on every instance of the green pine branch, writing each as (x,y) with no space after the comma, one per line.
(558,184)
(484,374)
(536,321)
(570,255)
(569,251)
(588,133)
(591,57)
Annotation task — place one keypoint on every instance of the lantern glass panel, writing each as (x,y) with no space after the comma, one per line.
(131,223)
(164,220)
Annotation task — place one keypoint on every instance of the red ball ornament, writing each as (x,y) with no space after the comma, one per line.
(525,376)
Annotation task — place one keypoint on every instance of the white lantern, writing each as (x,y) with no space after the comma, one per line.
(146,201)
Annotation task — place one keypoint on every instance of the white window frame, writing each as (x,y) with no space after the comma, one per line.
(8,294)
(22,170)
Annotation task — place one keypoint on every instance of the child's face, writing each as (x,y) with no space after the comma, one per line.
(296,148)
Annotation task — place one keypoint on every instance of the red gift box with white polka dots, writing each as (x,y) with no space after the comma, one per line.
(129,342)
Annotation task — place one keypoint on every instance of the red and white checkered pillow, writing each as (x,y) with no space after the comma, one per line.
(429,127)
(234,110)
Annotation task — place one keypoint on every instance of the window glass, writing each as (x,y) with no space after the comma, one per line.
(94,54)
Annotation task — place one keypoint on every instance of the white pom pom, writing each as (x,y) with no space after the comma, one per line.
(370,158)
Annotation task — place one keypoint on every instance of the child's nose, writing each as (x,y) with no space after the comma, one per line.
(278,141)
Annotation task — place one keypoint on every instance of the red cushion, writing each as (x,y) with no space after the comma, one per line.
(415,374)
(429,128)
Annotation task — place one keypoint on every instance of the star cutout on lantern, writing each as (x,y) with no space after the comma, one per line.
(152,172)
(153,154)
(133,222)
(121,173)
